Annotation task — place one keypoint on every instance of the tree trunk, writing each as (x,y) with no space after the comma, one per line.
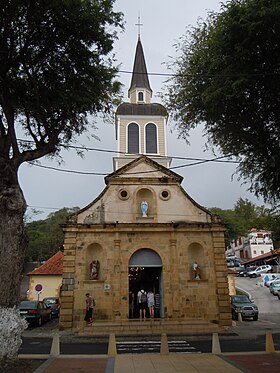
(13,243)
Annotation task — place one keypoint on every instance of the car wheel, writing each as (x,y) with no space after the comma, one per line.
(255,318)
(234,315)
(39,323)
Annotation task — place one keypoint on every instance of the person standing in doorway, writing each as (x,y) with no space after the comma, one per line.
(142,303)
(131,305)
(151,303)
(157,305)
(90,303)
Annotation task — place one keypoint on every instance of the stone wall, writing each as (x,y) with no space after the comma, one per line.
(178,247)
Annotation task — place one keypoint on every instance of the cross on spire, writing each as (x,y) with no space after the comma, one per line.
(139,25)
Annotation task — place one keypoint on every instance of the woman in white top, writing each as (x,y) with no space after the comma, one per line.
(151,302)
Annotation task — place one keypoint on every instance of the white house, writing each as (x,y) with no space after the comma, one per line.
(257,242)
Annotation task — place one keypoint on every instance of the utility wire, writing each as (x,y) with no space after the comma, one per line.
(127,173)
(199,75)
(113,212)
(85,148)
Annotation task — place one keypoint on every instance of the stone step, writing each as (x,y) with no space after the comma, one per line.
(148,327)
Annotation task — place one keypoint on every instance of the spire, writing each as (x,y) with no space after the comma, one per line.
(139,76)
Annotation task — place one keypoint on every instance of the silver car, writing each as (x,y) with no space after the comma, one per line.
(274,287)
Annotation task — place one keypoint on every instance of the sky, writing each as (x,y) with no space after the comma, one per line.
(210,184)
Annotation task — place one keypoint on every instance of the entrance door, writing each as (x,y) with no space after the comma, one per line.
(145,272)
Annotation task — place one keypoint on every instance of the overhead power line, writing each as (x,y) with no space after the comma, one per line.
(200,75)
(127,173)
(85,148)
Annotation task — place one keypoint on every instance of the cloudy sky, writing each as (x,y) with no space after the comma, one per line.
(210,184)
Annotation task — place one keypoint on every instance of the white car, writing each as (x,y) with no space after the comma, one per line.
(267,283)
(261,269)
(274,287)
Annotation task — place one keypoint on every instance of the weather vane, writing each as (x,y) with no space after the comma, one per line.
(139,25)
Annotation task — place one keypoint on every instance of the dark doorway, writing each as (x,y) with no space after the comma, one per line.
(147,278)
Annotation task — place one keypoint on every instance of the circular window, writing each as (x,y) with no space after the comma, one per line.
(123,194)
(165,195)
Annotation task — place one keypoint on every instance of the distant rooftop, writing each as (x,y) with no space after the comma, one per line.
(53,266)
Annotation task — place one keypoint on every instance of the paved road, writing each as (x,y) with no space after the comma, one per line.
(266,302)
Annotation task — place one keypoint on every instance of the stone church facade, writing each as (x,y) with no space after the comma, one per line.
(148,249)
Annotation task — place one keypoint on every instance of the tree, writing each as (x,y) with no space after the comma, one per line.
(45,237)
(55,70)
(234,228)
(246,215)
(227,79)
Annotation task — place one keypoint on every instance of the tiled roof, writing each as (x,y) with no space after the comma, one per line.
(53,266)
(127,108)
(262,256)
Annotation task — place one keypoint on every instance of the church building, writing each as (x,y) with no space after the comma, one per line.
(144,232)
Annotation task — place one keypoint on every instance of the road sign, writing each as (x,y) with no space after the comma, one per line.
(38,288)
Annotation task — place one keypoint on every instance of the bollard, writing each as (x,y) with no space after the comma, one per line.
(269,344)
(239,317)
(216,348)
(112,348)
(164,350)
(55,349)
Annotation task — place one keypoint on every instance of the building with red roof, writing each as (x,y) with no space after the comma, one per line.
(45,281)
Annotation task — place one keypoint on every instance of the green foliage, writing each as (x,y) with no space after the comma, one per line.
(244,216)
(227,79)
(55,70)
(46,236)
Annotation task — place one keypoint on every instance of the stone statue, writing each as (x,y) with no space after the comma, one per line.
(196,271)
(144,209)
(94,270)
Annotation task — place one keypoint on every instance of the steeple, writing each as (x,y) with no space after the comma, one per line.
(140,90)
(141,124)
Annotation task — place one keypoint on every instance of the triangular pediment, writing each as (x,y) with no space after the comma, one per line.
(143,167)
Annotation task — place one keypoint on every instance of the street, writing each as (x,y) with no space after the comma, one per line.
(248,335)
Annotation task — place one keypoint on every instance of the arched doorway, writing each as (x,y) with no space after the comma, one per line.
(145,272)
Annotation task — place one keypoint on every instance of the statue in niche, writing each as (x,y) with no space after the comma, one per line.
(94,270)
(144,208)
(196,271)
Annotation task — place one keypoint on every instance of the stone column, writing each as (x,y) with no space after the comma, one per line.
(221,279)
(68,278)
(116,280)
(174,280)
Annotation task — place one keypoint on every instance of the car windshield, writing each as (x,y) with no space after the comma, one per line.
(28,305)
(240,299)
(50,301)
(276,284)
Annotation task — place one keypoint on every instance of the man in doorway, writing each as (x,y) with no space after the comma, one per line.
(131,305)
(142,302)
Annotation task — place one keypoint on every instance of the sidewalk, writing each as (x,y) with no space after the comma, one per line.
(172,363)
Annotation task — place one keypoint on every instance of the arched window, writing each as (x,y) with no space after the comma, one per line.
(151,138)
(140,96)
(133,138)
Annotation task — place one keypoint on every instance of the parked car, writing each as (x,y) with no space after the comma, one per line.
(274,287)
(261,269)
(35,312)
(243,305)
(54,304)
(244,271)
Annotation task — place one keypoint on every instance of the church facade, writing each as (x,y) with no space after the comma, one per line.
(144,232)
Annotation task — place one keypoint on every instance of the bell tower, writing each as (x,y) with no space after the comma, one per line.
(141,124)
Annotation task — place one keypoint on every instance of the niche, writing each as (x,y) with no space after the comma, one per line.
(196,262)
(94,262)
